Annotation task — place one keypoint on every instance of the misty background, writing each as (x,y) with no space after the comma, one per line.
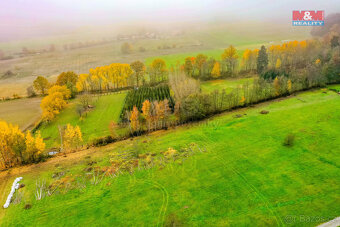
(21,19)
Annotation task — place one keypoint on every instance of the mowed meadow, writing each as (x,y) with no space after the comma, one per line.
(22,112)
(240,173)
(94,124)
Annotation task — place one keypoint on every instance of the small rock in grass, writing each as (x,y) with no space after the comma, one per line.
(27,206)
(88,169)
(21,185)
(264,112)
(237,115)
(58,174)
(91,163)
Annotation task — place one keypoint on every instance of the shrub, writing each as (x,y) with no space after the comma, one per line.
(172,220)
(271,74)
(289,140)
(102,141)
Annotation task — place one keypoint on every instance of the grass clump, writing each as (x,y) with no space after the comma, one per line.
(289,140)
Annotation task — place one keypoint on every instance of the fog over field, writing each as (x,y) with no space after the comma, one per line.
(20,19)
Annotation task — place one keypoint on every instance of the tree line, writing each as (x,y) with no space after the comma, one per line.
(283,70)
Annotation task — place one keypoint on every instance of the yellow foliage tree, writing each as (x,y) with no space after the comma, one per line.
(105,77)
(134,119)
(230,57)
(34,146)
(278,64)
(41,84)
(16,147)
(216,72)
(146,113)
(82,82)
(289,86)
(72,137)
(66,93)
(52,104)
(158,70)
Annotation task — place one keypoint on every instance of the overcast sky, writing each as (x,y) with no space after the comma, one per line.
(26,16)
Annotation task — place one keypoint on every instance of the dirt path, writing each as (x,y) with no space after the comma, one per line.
(332,223)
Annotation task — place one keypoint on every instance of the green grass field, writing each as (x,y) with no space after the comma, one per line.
(22,112)
(335,87)
(94,125)
(228,84)
(246,177)
(174,59)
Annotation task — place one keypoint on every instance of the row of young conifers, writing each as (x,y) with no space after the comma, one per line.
(160,97)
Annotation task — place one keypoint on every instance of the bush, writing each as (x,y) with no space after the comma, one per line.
(289,140)
(173,220)
(272,74)
(102,141)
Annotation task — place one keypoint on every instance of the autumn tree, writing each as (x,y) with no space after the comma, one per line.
(289,86)
(34,147)
(134,120)
(41,85)
(72,137)
(200,60)
(63,90)
(30,91)
(83,83)
(188,66)
(106,77)
(146,112)
(69,79)
(278,64)
(16,147)
(158,70)
(230,57)
(139,70)
(262,60)
(216,72)
(126,48)
(54,102)
(246,59)
(85,100)
(276,85)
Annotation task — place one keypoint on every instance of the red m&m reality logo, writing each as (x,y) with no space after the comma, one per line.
(308,18)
